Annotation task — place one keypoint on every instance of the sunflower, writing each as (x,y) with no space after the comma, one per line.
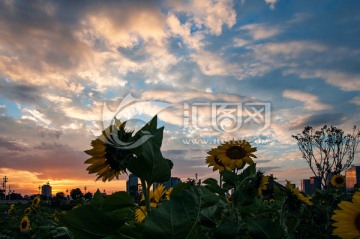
(27,210)
(234,154)
(262,183)
(337,180)
(296,192)
(25,224)
(156,195)
(229,199)
(35,202)
(108,160)
(347,218)
(213,160)
(11,209)
(140,214)
(168,193)
(155,201)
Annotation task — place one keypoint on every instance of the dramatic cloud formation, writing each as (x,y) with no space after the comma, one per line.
(65,69)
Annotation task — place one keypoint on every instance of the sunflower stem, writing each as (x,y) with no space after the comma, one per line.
(146,191)
(221,180)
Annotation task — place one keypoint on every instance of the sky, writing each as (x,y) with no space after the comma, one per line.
(259,70)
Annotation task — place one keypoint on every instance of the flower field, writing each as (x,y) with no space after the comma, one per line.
(244,203)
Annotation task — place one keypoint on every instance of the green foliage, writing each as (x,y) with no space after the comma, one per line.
(232,208)
(181,216)
(264,228)
(101,217)
(149,164)
(42,223)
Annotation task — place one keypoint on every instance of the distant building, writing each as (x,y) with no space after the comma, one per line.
(309,186)
(46,190)
(352,177)
(169,184)
(305,185)
(172,182)
(132,184)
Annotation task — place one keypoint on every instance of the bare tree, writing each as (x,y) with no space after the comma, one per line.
(328,150)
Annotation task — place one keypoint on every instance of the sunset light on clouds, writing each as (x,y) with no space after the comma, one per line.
(63,62)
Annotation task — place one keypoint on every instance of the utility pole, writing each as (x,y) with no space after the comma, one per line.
(5,180)
(85,188)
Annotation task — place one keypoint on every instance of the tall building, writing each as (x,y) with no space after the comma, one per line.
(310,185)
(132,183)
(352,177)
(305,185)
(169,184)
(46,190)
(172,182)
(132,187)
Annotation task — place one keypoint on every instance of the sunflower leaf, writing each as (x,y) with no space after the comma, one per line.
(89,222)
(248,172)
(179,217)
(229,178)
(149,163)
(264,228)
(227,230)
(97,199)
(116,201)
(212,185)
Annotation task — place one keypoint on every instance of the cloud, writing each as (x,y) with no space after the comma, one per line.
(57,99)
(49,146)
(261,31)
(11,144)
(193,40)
(121,25)
(316,120)
(213,64)
(345,81)
(311,102)
(287,51)
(49,133)
(25,28)
(211,14)
(239,42)
(56,163)
(356,100)
(271,3)
(19,92)
(35,115)
(2,109)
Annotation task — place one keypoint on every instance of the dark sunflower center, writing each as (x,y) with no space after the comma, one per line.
(24,224)
(117,158)
(339,180)
(218,162)
(236,152)
(357,222)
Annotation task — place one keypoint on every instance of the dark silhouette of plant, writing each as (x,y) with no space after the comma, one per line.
(60,195)
(76,193)
(88,195)
(328,150)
